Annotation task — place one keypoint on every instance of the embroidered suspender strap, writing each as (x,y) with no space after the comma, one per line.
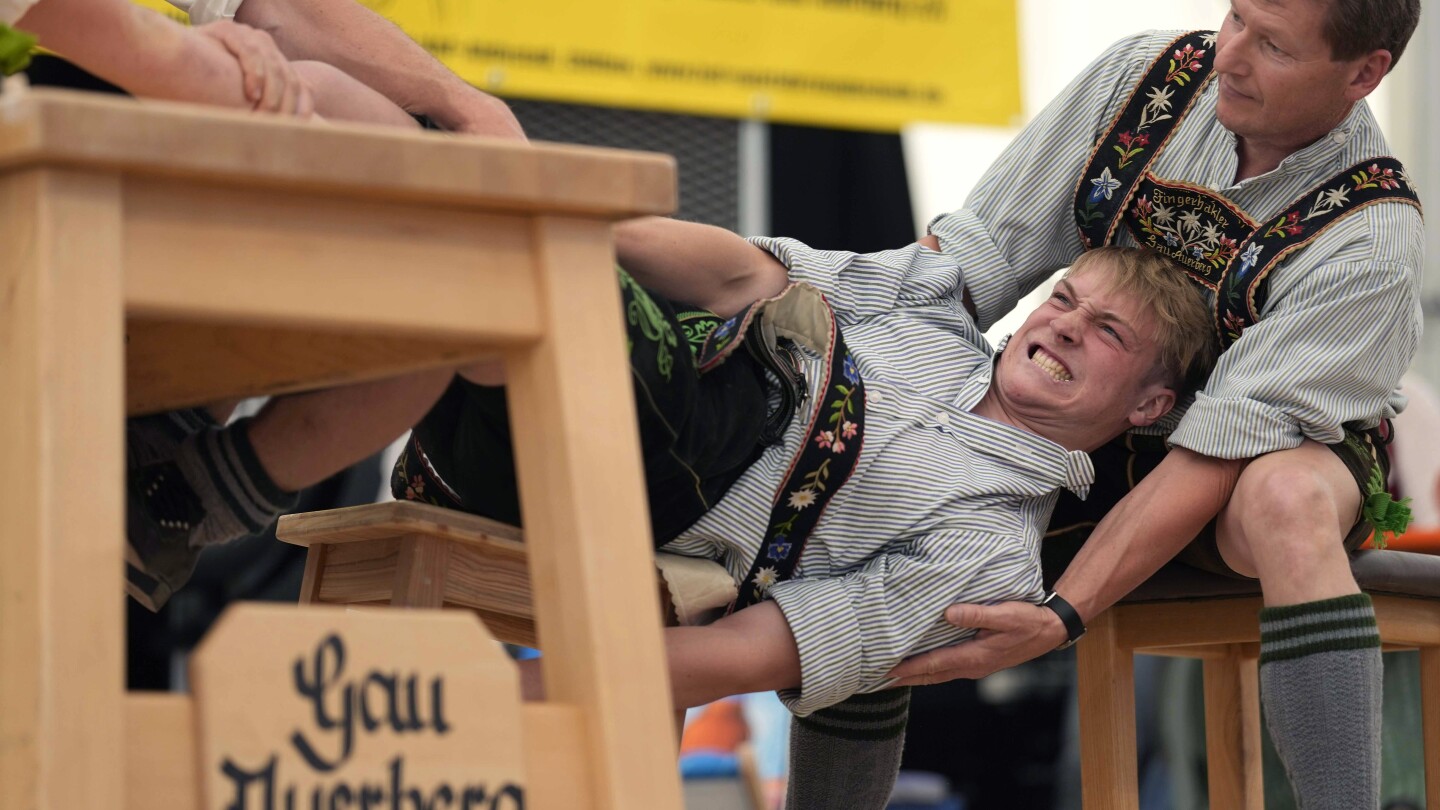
(1155,108)
(830,449)
(1242,289)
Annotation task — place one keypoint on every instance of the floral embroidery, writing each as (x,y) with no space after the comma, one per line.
(1328,200)
(1286,225)
(1186,58)
(1105,185)
(1375,176)
(1130,145)
(801,498)
(779,548)
(644,313)
(764,578)
(1247,259)
(851,371)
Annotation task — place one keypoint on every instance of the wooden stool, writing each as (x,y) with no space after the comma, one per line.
(409,554)
(1185,612)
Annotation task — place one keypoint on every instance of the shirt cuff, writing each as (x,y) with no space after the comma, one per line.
(827,635)
(994,293)
(1236,428)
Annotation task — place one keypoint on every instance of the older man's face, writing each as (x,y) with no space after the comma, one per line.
(1278,83)
(1084,363)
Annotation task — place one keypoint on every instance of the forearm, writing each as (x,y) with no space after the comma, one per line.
(699,265)
(1148,528)
(363,44)
(141,51)
(748,651)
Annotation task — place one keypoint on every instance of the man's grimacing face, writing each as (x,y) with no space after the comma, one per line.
(1084,364)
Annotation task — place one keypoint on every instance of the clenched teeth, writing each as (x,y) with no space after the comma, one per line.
(1051,366)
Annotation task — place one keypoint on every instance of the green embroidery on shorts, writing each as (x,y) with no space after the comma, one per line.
(1387,515)
(15,50)
(697,324)
(645,314)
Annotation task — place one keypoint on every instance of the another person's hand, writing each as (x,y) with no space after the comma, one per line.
(1010,633)
(271,83)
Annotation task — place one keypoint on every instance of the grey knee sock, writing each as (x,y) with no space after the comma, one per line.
(1320,680)
(846,757)
(237,495)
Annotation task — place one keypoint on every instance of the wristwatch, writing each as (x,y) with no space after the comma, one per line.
(1074,627)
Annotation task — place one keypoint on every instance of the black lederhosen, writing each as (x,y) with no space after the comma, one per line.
(698,432)
(1123,462)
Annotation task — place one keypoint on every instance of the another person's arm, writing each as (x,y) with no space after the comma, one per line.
(148,55)
(365,45)
(750,650)
(701,265)
(1348,309)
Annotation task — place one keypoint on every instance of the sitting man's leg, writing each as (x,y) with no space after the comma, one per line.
(193,483)
(1289,523)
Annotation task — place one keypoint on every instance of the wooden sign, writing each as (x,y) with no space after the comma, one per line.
(335,709)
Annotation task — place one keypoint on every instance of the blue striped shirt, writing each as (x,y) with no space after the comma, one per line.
(1343,319)
(944,506)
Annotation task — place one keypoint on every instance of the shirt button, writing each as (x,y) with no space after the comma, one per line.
(1339,136)
(943,418)
(871,395)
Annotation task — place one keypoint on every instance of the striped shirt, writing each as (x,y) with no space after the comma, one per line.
(1343,318)
(943,506)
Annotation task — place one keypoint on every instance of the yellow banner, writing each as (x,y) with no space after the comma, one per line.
(869,64)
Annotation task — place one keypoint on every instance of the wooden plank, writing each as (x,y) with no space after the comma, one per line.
(555,747)
(175,364)
(61,635)
(161,771)
(584,510)
(384,520)
(1232,731)
(57,127)
(1105,674)
(207,253)
(1410,621)
(314,572)
(1147,625)
(1430,721)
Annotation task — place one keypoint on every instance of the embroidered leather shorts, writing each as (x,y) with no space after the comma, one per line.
(1123,462)
(698,432)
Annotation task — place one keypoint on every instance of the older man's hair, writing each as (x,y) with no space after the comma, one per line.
(1354,28)
(1184,327)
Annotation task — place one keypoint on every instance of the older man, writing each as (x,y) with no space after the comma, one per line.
(1251,156)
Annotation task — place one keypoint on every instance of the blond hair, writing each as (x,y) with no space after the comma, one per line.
(1184,328)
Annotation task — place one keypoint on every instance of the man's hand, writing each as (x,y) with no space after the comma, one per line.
(1010,633)
(271,83)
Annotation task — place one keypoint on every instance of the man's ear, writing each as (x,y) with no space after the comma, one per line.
(1158,401)
(1368,71)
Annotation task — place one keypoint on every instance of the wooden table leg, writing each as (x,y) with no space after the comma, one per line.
(1232,730)
(1430,720)
(1106,681)
(61,464)
(582,497)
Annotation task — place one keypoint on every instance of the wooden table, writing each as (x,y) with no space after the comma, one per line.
(154,256)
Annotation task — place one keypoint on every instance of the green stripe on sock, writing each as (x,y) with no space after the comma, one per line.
(1350,602)
(884,732)
(1331,645)
(1319,627)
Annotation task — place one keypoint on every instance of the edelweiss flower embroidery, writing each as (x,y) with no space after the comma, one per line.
(764,578)
(801,498)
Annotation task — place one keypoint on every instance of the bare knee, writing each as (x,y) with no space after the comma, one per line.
(1291,510)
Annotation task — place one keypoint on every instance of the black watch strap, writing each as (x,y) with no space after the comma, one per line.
(1069,616)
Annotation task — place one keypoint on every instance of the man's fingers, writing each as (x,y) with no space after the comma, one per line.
(979,616)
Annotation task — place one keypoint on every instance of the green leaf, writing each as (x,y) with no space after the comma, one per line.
(15,50)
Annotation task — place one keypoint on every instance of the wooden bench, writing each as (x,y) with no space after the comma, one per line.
(409,554)
(1185,612)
